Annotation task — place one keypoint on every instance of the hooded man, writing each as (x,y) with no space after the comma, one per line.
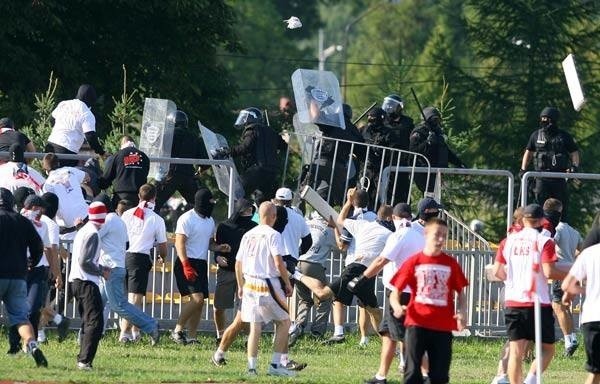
(74,122)
(194,237)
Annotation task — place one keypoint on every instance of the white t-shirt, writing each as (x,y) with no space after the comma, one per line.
(257,250)
(113,241)
(323,242)
(72,119)
(199,231)
(295,229)
(369,239)
(65,183)
(144,233)
(418,227)
(567,240)
(400,245)
(42,229)
(587,266)
(53,230)
(12,177)
(358,214)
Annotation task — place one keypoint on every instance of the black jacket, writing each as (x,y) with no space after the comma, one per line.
(432,144)
(258,146)
(17,235)
(231,232)
(186,145)
(128,169)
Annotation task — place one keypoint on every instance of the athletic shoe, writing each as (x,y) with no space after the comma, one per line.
(375,380)
(316,335)
(501,379)
(42,336)
(63,329)
(84,366)
(335,339)
(179,337)
(363,343)
(251,372)
(571,350)
(293,337)
(38,356)
(192,341)
(280,371)
(219,362)
(155,336)
(295,366)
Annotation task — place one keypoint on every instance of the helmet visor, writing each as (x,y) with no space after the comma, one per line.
(245,117)
(391,105)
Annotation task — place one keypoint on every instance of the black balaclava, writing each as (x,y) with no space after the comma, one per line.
(240,206)
(433,119)
(282,219)
(7,200)
(202,202)
(87,94)
(428,215)
(51,201)
(552,114)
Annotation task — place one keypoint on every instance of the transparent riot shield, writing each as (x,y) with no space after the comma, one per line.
(156,138)
(318,98)
(213,141)
(308,137)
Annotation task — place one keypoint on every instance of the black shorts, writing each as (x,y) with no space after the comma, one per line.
(365,295)
(520,324)
(591,339)
(557,293)
(392,326)
(138,265)
(200,285)
(437,344)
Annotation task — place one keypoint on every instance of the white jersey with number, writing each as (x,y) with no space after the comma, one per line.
(72,120)
(257,251)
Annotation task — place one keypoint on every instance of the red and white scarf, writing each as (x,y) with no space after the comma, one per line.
(139,210)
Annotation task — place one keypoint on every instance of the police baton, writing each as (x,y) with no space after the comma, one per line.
(418,104)
(364,113)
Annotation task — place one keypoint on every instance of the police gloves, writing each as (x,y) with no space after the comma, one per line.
(220,153)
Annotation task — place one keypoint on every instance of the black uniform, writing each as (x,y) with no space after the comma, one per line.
(402,126)
(10,137)
(127,170)
(231,231)
(257,153)
(181,177)
(551,153)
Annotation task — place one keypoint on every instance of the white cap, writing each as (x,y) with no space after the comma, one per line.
(283,194)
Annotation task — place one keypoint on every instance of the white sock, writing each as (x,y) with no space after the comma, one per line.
(297,275)
(530,379)
(219,354)
(379,377)
(364,339)
(338,330)
(276,359)
(252,362)
(568,341)
(57,319)
(284,359)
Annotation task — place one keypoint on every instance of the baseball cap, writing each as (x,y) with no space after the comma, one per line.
(402,210)
(428,203)
(283,194)
(97,212)
(34,200)
(533,211)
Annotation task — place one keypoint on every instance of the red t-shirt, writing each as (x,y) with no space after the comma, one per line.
(432,280)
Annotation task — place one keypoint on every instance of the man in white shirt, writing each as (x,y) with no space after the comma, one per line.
(587,268)
(259,268)
(16,173)
(84,278)
(113,237)
(65,182)
(526,259)
(296,235)
(74,122)
(194,236)
(144,229)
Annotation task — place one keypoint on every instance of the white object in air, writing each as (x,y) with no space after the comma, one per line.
(293,22)
(573,83)
(318,203)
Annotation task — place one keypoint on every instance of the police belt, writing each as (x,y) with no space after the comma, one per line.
(65,230)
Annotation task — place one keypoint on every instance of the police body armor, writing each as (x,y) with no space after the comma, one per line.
(265,147)
(550,152)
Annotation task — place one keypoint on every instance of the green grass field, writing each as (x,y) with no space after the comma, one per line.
(474,361)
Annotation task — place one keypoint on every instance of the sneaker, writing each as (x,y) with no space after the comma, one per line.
(124,339)
(155,336)
(219,362)
(293,337)
(179,337)
(38,356)
(363,343)
(571,350)
(63,329)
(136,337)
(84,366)
(280,371)
(335,339)
(501,379)
(192,341)
(251,372)
(42,336)
(375,380)
(295,366)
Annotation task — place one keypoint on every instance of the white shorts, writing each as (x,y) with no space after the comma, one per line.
(262,308)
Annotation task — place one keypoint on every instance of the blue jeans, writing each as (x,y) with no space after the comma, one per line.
(13,292)
(113,292)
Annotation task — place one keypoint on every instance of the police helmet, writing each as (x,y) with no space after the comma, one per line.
(181,119)
(551,113)
(431,112)
(250,115)
(392,104)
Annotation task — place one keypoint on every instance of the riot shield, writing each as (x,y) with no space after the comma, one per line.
(318,98)
(213,141)
(156,138)
(308,137)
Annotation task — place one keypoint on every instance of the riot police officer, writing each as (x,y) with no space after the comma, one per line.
(402,125)
(427,139)
(257,152)
(552,150)
(181,177)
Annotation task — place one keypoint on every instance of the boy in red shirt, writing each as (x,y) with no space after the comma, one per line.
(433,277)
